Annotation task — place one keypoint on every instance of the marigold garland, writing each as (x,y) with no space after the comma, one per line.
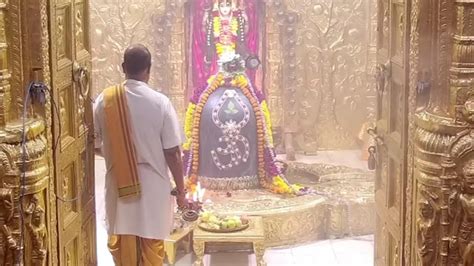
(217,29)
(192,173)
(268,121)
(188,126)
(217,25)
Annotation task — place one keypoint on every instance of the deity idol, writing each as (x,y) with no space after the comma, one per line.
(225,28)
(229,142)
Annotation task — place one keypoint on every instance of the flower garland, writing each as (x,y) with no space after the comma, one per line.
(192,155)
(268,122)
(271,175)
(217,22)
(241,82)
(188,125)
(217,30)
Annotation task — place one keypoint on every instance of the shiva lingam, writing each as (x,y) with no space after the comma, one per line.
(194,204)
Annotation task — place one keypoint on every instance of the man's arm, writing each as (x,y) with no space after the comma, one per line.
(173,159)
(171,140)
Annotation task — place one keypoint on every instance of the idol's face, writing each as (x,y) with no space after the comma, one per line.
(426,210)
(37,218)
(468,174)
(225,7)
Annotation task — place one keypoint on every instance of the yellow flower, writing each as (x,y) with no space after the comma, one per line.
(221,48)
(234,26)
(268,121)
(210,79)
(217,26)
(280,186)
(217,31)
(188,125)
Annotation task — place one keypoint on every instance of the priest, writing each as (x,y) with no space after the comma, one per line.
(138,133)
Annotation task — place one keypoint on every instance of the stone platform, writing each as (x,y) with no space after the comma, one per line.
(343,205)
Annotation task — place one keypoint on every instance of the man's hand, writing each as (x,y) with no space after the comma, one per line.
(182,202)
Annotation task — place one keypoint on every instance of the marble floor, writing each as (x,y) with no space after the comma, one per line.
(356,251)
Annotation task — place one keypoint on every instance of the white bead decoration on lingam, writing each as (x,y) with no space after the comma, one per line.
(232,137)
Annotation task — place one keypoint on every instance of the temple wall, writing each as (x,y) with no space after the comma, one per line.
(117,24)
(335,65)
(335,53)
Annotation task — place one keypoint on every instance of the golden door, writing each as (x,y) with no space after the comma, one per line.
(72,125)
(391,130)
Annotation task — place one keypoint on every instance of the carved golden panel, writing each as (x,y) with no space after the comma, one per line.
(177,77)
(382,179)
(397,28)
(396,108)
(89,243)
(63,41)
(88,179)
(395,179)
(394,251)
(383,24)
(275,103)
(66,113)
(3,36)
(272,76)
(81,35)
(115,27)
(69,191)
(3,59)
(71,253)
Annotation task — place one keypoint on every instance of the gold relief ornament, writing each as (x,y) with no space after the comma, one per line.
(468,110)
(464,225)
(459,170)
(37,229)
(428,212)
(9,247)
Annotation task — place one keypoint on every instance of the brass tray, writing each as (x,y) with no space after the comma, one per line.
(229,230)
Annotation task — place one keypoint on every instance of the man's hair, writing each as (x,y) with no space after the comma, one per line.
(136,59)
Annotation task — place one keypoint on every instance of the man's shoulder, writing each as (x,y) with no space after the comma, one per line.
(158,96)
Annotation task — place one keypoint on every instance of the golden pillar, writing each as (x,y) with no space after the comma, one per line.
(444,137)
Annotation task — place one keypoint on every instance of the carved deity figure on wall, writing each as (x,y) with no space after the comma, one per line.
(426,229)
(463,235)
(9,246)
(38,233)
(468,110)
(229,143)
